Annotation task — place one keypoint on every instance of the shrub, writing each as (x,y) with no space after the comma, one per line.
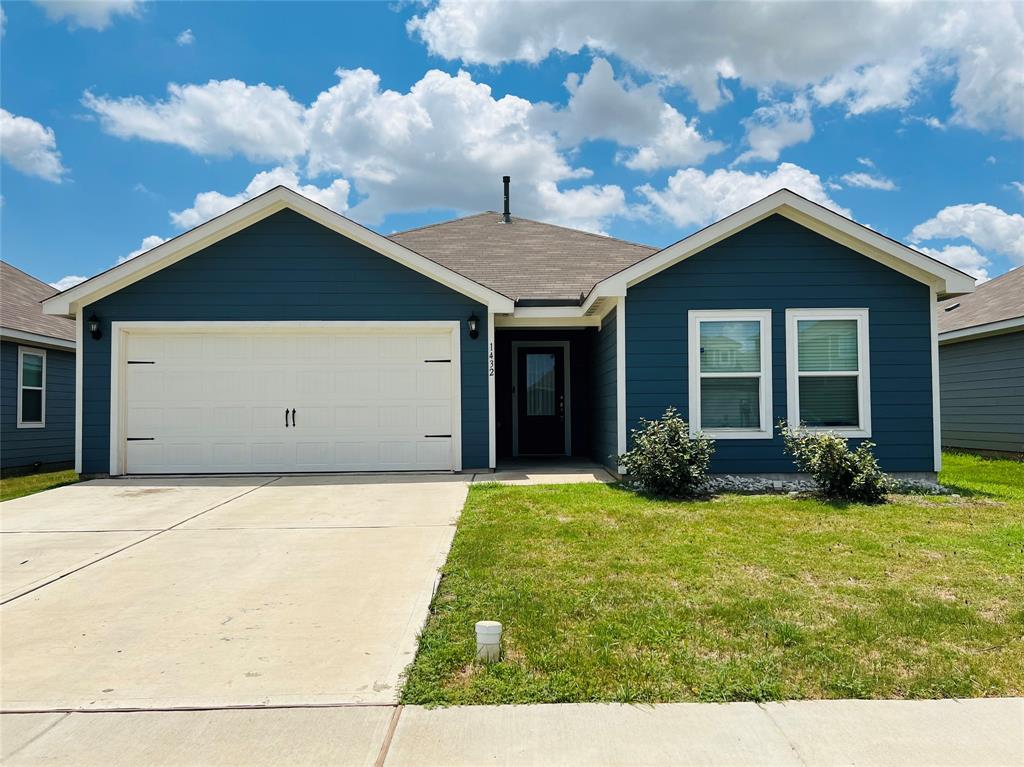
(841,473)
(666,460)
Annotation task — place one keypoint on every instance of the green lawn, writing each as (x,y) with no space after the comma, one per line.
(608,596)
(15,487)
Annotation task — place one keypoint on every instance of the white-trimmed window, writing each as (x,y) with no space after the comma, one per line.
(828,380)
(31,388)
(730,352)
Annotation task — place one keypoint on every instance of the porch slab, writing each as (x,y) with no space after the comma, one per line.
(547,474)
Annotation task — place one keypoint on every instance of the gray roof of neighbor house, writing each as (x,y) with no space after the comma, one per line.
(992,301)
(524,258)
(20,309)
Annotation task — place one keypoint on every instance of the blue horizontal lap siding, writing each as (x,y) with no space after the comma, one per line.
(54,443)
(606,394)
(778,264)
(285,267)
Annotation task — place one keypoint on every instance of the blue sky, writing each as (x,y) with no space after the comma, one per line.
(125,123)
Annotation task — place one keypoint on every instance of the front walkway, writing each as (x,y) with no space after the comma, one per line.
(986,732)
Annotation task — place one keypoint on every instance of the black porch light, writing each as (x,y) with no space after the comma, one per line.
(473,323)
(94,327)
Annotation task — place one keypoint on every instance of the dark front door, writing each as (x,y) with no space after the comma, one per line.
(540,404)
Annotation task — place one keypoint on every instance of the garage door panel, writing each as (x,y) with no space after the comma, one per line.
(363,400)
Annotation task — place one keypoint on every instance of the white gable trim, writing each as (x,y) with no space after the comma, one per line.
(945,279)
(245,215)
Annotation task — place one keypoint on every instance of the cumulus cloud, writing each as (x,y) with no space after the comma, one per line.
(869,181)
(185,37)
(443,144)
(30,147)
(148,243)
(694,198)
(985,226)
(864,56)
(91,14)
(68,281)
(208,205)
(966,258)
(222,117)
(601,107)
(774,127)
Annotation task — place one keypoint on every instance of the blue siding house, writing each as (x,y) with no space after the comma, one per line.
(37,378)
(283,337)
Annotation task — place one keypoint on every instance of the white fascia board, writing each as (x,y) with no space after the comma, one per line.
(245,215)
(515,321)
(22,336)
(981,331)
(945,279)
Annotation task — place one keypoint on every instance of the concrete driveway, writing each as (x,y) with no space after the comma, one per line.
(181,593)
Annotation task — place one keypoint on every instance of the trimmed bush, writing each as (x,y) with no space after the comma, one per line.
(840,473)
(666,460)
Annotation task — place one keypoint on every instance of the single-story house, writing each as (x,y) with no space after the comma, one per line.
(981,362)
(37,377)
(284,337)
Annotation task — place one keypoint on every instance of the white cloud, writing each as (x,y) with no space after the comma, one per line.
(693,198)
(601,107)
(148,243)
(186,37)
(868,181)
(1018,185)
(91,14)
(867,162)
(443,144)
(68,282)
(963,257)
(772,128)
(985,226)
(208,205)
(30,147)
(221,117)
(865,56)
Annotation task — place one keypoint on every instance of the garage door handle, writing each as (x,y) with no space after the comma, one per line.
(293,418)
(286,418)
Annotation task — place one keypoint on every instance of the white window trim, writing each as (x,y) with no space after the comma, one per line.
(863,429)
(22,351)
(764,317)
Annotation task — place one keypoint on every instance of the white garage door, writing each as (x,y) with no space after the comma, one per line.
(271,400)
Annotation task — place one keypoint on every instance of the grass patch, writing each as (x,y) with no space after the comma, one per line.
(609,596)
(15,487)
(973,475)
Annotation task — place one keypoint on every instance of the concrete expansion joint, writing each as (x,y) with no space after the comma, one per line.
(389,736)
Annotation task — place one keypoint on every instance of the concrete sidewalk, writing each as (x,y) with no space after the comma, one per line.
(945,732)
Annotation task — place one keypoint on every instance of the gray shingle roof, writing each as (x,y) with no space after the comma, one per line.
(993,301)
(524,259)
(20,309)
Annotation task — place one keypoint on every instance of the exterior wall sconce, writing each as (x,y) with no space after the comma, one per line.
(94,327)
(473,323)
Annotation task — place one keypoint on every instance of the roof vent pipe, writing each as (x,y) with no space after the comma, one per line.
(506,215)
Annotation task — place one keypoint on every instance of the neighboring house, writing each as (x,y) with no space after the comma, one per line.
(281,336)
(981,359)
(37,377)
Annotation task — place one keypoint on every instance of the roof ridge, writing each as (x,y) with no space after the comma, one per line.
(442,223)
(604,237)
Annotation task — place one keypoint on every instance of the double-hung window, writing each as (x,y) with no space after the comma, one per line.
(827,377)
(730,373)
(31,388)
